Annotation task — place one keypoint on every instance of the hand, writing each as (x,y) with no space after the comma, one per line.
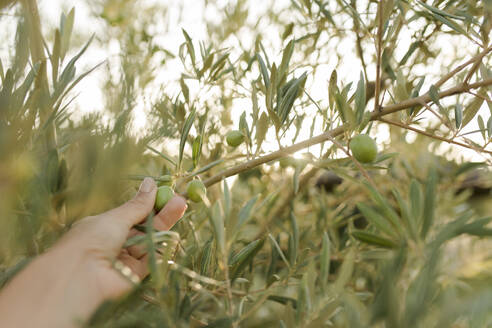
(64,286)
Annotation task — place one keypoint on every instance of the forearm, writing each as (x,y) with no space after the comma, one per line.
(42,294)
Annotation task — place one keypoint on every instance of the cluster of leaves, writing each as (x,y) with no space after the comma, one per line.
(271,249)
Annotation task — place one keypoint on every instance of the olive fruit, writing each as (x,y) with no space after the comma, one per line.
(234,138)
(196,190)
(164,194)
(363,148)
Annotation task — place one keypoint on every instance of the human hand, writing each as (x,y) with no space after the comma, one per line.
(69,282)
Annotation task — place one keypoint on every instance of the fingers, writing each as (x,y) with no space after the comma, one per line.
(170,214)
(136,209)
(138,250)
(139,267)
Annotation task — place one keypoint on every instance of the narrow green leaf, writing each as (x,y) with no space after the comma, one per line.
(297,172)
(190,47)
(416,200)
(227,199)
(295,239)
(56,56)
(303,300)
(405,213)
(290,96)
(69,71)
(2,74)
(458,115)
(218,65)
(345,272)
(332,88)
(284,65)
(325,259)
(360,99)
(451,24)
(184,135)
(66,27)
(416,93)
(167,158)
(401,91)
(283,300)
(429,203)
(207,64)
(197,150)
(20,94)
(245,212)
(376,219)
(411,49)
(206,258)
(373,239)
(264,71)
(184,89)
(489,127)
(481,126)
(271,91)
(207,167)
(272,266)
(434,95)
(157,237)
(386,208)
(279,250)
(217,221)
(472,109)
(477,228)
(261,130)
(244,257)
(21,49)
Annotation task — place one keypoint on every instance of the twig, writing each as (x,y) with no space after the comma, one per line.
(379,51)
(430,135)
(436,114)
(446,77)
(476,65)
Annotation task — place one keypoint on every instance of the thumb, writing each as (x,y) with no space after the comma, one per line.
(136,209)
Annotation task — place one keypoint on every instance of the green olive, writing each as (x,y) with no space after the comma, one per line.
(234,138)
(196,190)
(164,195)
(363,148)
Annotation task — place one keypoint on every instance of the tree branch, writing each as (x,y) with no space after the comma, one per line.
(326,136)
(433,136)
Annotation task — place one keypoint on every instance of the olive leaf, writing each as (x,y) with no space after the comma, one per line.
(184,135)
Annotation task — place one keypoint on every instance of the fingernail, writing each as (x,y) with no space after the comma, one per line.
(147,185)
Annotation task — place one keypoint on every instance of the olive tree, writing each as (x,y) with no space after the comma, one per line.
(296,217)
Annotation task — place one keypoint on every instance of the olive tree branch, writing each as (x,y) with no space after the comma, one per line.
(476,65)
(326,136)
(458,69)
(433,136)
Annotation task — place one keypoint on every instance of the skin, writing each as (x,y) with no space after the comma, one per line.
(65,285)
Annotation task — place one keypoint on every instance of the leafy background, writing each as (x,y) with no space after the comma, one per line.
(313,239)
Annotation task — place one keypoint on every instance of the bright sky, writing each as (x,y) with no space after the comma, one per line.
(90,97)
